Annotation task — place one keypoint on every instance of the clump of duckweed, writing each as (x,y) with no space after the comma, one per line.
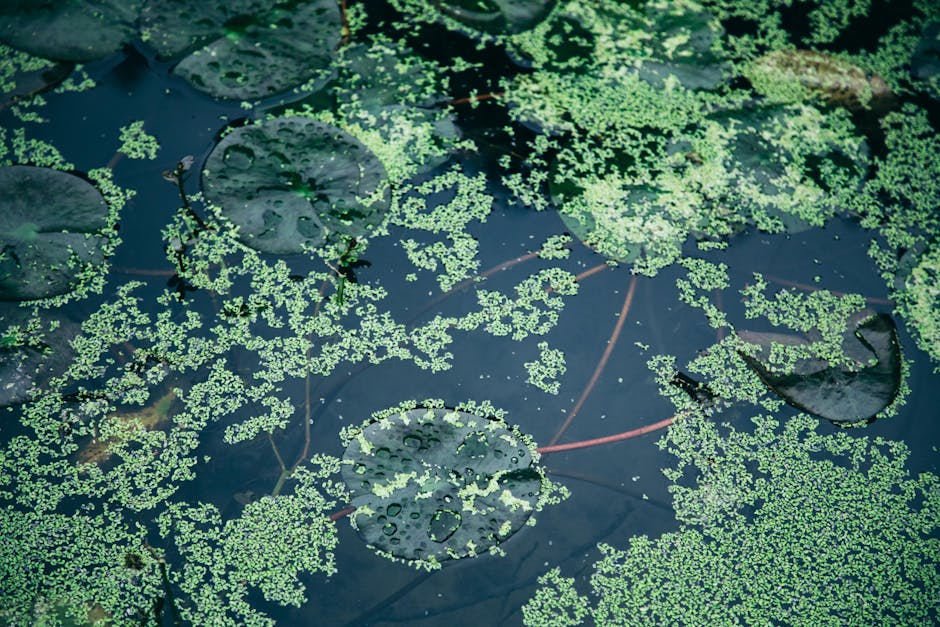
(783,524)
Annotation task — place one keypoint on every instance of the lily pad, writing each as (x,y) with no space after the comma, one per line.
(925,62)
(838,82)
(842,395)
(497,17)
(68,30)
(293,183)
(50,231)
(430,484)
(244,49)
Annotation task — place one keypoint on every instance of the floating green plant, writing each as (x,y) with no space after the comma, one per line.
(52,229)
(245,49)
(430,484)
(72,30)
(292,184)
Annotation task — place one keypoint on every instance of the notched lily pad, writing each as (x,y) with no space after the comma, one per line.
(51,225)
(244,48)
(68,30)
(292,183)
(436,484)
(844,396)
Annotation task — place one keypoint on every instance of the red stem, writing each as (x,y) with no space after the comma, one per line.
(477,98)
(600,364)
(626,435)
(343,512)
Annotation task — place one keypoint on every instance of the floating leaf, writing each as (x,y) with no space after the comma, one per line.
(436,484)
(925,62)
(68,30)
(497,16)
(835,80)
(50,225)
(24,83)
(245,48)
(293,183)
(842,395)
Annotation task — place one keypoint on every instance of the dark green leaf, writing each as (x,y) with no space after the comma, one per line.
(244,48)
(49,231)
(68,30)
(438,484)
(841,395)
(294,183)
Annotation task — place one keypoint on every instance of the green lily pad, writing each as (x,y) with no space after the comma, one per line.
(842,395)
(68,30)
(50,231)
(497,17)
(430,485)
(244,49)
(681,44)
(293,183)
(26,363)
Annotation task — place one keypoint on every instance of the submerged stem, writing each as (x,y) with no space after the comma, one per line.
(600,364)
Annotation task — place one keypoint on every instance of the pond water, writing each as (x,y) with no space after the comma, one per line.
(314,220)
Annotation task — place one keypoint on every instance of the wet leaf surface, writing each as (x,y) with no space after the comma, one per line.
(290,184)
(49,226)
(438,484)
(840,395)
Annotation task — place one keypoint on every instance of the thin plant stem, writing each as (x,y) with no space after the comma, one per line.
(143,271)
(589,272)
(626,435)
(345,24)
(871,300)
(477,98)
(341,513)
(474,279)
(277,453)
(624,310)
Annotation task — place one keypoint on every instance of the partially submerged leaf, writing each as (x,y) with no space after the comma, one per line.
(497,16)
(293,183)
(50,223)
(68,30)
(833,79)
(436,484)
(244,48)
(839,394)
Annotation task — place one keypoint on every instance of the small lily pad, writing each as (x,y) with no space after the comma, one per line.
(293,183)
(430,485)
(68,30)
(844,396)
(51,225)
(244,49)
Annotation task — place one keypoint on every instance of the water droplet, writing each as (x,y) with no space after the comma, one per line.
(239,157)
(393,510)
(390,529)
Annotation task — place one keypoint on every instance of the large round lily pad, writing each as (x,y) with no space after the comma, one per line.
(244,48)
(68,30)
(50,231)
(841,395)
(293,183)
(436,484)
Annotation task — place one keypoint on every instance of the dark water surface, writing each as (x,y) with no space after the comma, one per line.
(617,491)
